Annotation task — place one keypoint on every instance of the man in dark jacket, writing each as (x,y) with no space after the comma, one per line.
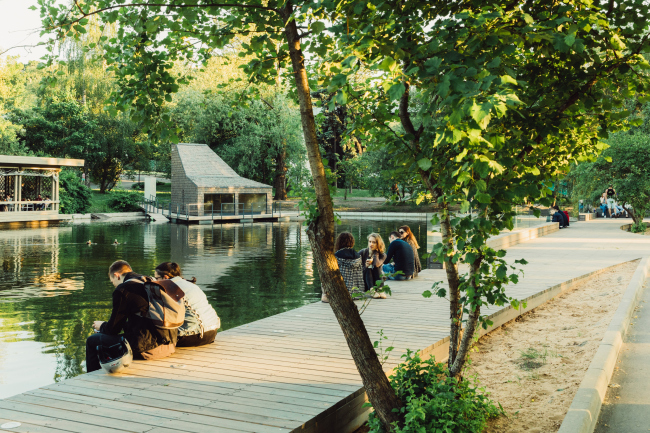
(130,305)
(402,255)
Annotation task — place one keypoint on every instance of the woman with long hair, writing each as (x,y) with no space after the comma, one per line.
(408,236)
(373,258)
(201,321)
(349,262)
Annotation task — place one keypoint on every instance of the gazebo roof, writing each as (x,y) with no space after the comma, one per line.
(38,162)
(207,170)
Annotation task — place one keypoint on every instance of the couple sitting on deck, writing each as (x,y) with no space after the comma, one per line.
(361,271)
(138,302)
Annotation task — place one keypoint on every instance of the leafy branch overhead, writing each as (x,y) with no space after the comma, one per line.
(487,102)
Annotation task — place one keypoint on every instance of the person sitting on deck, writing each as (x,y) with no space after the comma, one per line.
(201,321)
(403,259)
(408,236)
(350,263)
(559,217)
(373,258)
(130,306)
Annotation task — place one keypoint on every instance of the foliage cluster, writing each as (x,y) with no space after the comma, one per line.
(124,201)
(625,165)
(434,401)
(74,196)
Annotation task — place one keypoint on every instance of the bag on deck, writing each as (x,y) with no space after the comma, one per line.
(166,305)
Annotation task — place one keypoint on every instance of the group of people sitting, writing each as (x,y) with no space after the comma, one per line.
(365,270)
(609,207)
(6,207)
(132,330)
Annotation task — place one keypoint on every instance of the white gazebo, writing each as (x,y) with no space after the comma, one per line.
(29,187)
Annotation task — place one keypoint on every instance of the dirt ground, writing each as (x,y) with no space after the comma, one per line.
(533,366)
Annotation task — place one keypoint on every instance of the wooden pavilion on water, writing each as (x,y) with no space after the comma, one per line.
(29,188)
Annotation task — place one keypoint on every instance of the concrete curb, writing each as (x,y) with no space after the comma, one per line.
(509,239)
(585,408)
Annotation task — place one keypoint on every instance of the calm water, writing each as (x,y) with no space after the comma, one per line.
(53,285)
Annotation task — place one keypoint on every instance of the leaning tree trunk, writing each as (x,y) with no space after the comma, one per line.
(321,237)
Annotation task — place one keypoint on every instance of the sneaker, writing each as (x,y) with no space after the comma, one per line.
(379,295)
(324,299)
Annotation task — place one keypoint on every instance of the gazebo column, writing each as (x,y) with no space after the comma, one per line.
(236,203)
(55,190)
(18,189)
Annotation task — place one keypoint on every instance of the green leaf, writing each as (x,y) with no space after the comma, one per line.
(483,198)
(427,293)
(481,114)
(424,163)
(317,27)
(388,64)
(482,168)
(507,79)
(617,43)
(396,91)
(494,63)
(570,39)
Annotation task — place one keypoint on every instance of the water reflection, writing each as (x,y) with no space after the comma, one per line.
(53,285)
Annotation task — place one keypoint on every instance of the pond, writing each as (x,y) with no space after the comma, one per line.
(53,285)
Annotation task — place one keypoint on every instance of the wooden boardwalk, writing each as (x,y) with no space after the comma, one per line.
(293,371)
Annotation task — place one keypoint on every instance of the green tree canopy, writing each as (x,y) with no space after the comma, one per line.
(625,165)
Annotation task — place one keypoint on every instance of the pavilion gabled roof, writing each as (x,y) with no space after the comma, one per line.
(38,162)
(207,170)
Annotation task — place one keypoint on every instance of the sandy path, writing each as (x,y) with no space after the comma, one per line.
(533,366)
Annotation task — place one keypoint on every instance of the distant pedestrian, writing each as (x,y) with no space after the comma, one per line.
(350,263)
(408,236)
(603,204)
(403,259)
(611,194)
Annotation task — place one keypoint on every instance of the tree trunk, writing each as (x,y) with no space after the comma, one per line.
(321,237)
(279,183)
(456,367)
(453,280)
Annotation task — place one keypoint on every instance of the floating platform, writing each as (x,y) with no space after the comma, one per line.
(222,219)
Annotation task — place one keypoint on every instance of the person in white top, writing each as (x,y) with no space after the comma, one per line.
(201,320)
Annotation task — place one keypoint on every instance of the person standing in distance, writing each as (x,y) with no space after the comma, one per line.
(403,259)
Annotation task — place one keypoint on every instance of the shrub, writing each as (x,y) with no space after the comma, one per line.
(435,402)
(139,186)
(74,196)
(125,201)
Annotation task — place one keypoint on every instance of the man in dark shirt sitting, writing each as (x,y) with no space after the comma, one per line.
(130,305)
(403,260)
